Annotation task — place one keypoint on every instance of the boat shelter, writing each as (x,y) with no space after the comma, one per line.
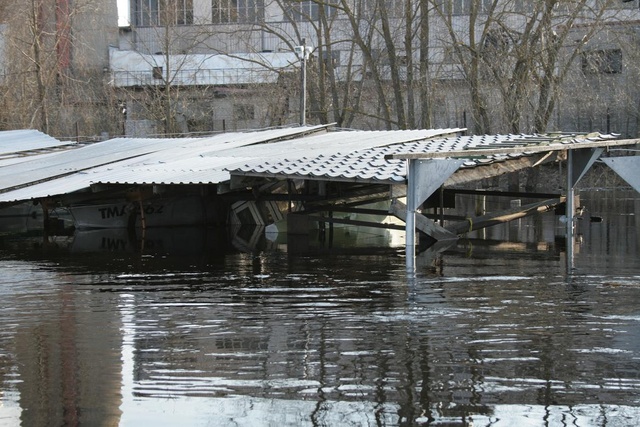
(302,173)
(417,170)
(140,170)
(580,154)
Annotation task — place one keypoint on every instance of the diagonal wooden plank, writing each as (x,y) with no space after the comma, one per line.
(496,218)
(424,224)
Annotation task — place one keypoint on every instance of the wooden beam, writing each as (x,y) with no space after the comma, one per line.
(333,220)
(422,223)
(518,194)
(497,168)
(471,224)
(346,209)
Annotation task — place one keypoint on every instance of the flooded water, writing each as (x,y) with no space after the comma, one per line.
(205,330)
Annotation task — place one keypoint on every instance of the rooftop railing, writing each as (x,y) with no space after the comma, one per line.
(194,77)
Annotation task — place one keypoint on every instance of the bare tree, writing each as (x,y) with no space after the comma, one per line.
(387,64)
(523,51)
(364,71)
(166,59)
(53,77)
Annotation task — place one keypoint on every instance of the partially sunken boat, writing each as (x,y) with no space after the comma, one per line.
(164,212)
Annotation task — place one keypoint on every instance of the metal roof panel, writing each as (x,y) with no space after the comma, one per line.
(121,161)
(368,163)
(288,152)
(24,140)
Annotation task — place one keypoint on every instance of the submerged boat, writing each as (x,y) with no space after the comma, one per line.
(191,210)
(27,217)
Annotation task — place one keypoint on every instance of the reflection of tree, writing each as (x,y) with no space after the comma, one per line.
(58,348)
(345,340)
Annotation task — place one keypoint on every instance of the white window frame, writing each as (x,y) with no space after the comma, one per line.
(309,10)
(237,11)
(151,13)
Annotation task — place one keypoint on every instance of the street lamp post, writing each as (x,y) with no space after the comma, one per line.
(123,110)
(303,54)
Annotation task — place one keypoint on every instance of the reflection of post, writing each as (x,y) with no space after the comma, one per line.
(481,209)
(578,162)
(143,224)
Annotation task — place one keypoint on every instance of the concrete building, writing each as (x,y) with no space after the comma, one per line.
(188,66)
(55,58)
(363,61)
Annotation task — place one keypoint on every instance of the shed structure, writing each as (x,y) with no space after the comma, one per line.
(317,168)
(417,170)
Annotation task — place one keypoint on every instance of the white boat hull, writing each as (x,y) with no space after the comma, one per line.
(155,213)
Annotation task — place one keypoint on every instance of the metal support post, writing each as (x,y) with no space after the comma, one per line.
(424,177)
(570,212)
(578,163)
(410,227)
(303,54)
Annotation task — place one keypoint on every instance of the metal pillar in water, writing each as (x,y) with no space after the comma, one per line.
(424,177)
(570,212)
(578,163)
(410,223)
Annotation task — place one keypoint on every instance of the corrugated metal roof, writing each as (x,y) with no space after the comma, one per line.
(134,161)
(340,142)
(21,142)
(14,160)
(300,152)
(45,189)
(370,165)
(196,170)
(68,162)
(212,166)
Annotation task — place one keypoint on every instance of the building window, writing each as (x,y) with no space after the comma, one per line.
(237,11)
(396,8)
(605,61)
(244,112)
(464,7)
(332,60)
(628,4)
(184,12)
(309,10)
(156,72)
(149,13)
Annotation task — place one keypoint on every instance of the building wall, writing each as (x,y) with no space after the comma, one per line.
(596,101)
(95,28)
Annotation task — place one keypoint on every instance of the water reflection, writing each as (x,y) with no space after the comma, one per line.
(114,330)
(58,367)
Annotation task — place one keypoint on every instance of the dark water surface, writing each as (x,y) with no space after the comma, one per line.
(190,330)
